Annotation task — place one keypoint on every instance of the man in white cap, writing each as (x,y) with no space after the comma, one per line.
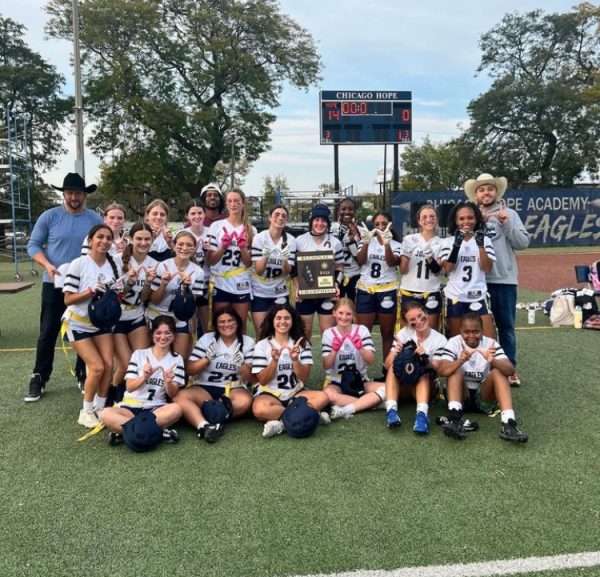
(56,239)
(507,233)
(214,203)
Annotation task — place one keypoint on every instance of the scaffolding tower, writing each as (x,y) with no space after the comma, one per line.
(15,191)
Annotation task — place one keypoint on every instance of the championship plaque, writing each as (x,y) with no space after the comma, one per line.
(316,272)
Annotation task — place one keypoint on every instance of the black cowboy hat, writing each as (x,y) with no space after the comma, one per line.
(74,182)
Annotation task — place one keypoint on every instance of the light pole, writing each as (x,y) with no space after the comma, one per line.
(79,162)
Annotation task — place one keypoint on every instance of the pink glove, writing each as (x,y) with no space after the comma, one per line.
(356,340)
(337,342)
(242,239)
(226,239)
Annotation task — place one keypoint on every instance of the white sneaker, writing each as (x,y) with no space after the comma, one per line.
(272,428)
(324,418)
(337,412)
(88,420)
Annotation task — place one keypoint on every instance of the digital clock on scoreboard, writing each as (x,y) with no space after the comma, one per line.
(365,117)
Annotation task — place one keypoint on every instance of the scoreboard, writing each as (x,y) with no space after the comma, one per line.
(365,117)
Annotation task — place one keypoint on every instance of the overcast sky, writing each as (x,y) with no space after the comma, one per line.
(430,47)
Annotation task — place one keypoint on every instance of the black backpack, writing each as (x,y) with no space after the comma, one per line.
(409,367)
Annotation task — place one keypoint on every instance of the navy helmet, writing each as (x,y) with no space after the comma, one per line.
(142,433)
(104,309)
(218,412)
(183,305)
(299,419)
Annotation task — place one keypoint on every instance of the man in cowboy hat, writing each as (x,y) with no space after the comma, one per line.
(507,233)
(56,239)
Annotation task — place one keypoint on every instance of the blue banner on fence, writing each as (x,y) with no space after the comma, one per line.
(553,217)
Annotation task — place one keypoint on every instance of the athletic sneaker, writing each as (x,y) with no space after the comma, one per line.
(514,380)
(210,433)
(511,432)
(272,428)
(170,436)
(324,418)
(36,388)
(88,420)
(421,426)
(114,439)
(455,427)
(337,412)
(468,425)
(392,419)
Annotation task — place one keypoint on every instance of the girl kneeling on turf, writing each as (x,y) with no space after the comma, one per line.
(221,363)
(477,371)
(429,342)
(348,349)
(152,375)
(282,361)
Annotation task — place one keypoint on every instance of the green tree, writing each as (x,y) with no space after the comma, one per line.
(181,79)
(269,190)
(539,120)
(30,89)
(441,166)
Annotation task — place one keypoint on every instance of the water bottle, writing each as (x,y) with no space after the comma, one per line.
(578,316)
(531,315)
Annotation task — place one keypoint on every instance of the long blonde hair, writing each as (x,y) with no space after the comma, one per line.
(245,219)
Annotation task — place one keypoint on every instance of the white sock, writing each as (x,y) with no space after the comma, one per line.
(389,405)
(506,415)
(454,405)
(349,409)
(88,406)
(202,425)
(423,408)
(99,403)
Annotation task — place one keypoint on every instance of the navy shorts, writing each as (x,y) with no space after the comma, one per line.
(263,304)
(127,327)
(221,296)
(202,301)
(432,302)
(81,335)
(311,306)
(456,309)
(384,302)
(348,287)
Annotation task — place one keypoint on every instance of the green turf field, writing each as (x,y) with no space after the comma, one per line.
(353,496)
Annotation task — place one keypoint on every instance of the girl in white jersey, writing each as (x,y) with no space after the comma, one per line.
(195,216)
(153,374)
(114,217)
(319,239)
(376,295)
(348,350)
(477,370)
(466,257)
(346,231)
(419,267)
(282,361)
(429,342)
(230,258)
(170,275)
(85,276)
(157,216)
(131,332)
(221,364)
(274,256)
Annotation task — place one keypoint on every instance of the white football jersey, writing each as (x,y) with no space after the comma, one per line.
(272,283)
(83,273)
(197,286)
(348,355)
(351,267)
(476,369)
(419,278)
(200,252)
(466,283)
(221,371)
(231,260)
(132,306)
(433,344)
(284,384)
(306,243)
(376,271)
(152,393)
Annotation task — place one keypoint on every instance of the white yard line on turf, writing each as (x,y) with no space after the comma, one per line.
(483,569)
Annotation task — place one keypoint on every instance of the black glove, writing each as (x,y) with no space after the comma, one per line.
(459,236)
(479,236)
